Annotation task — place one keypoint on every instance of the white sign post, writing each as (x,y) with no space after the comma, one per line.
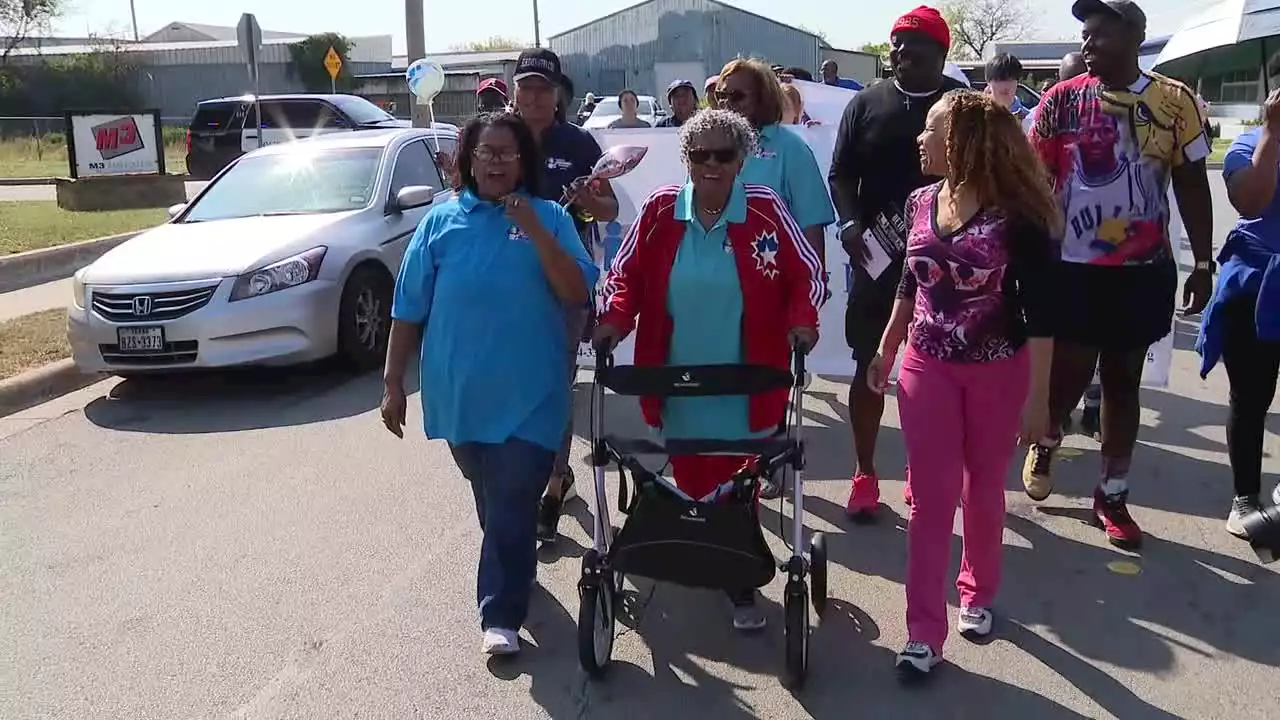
(249,35)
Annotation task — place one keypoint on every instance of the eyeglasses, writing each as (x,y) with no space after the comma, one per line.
(484,153)
(724,156)
(734,96)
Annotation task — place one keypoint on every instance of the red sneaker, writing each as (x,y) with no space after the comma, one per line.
(864,497)
(1111,513)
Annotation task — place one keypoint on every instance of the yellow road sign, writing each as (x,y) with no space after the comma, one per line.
(333,63)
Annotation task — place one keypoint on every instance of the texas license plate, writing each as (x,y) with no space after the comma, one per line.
(140,339)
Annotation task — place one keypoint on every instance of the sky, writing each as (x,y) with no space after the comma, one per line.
(847,25)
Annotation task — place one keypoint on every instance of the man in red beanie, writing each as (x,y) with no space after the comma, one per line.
(875,167)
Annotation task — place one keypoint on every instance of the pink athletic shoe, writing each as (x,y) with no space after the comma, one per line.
(864,497)
(906,486)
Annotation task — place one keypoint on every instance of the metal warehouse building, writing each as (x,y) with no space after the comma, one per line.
(174,76)
(646,46)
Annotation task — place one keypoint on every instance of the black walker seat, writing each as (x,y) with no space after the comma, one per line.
(715,543)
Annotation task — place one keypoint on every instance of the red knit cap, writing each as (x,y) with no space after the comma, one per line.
(926,20)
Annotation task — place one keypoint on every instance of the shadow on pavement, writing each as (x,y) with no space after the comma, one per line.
(234,400)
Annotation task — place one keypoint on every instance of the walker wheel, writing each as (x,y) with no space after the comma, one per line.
(796,630)
(595,616)
(818,572)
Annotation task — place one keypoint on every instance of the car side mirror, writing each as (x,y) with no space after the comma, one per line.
(175,210)
(414,196)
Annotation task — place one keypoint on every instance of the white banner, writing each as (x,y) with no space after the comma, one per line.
(663,166)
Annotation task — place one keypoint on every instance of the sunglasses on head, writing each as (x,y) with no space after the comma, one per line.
(723,156)
(730,95)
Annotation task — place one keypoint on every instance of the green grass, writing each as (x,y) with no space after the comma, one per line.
(46,156)
(1219,150)
(30,341)
(34,225)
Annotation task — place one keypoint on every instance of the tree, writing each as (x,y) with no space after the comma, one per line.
(491,44)
(307,62)
(20,19)
(881,49)
(975,24)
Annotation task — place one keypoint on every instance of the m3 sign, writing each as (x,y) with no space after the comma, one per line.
(104,143)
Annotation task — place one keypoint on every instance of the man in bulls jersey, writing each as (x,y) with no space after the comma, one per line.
(1114,141)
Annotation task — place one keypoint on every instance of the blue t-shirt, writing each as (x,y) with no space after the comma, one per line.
(492,364)
(848,84)
(1266,227)
(785,163)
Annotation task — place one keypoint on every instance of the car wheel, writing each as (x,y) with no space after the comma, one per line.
(364,318)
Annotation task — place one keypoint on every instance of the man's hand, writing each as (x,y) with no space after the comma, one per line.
(803,338)
(605,338)
(1196,292)
(393,409)
(854,245)
(1271,113)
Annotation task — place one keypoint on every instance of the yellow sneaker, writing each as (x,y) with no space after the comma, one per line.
(1037,476)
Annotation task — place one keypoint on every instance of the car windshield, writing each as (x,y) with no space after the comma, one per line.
(609,107)
(361,111)
(302,181)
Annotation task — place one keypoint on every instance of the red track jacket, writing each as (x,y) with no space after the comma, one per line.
(783,286)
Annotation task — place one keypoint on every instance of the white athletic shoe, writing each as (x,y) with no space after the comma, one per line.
(974,622)
(916,660)
(498,641)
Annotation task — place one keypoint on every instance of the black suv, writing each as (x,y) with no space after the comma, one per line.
(223,129)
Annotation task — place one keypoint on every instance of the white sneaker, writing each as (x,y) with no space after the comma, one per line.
(974,622)
(1275,495)
(498,641)
(916,660)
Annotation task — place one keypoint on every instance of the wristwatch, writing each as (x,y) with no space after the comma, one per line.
(1208,266)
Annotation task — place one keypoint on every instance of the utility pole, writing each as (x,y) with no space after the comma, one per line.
(416,42)
(133,14)
(537,27)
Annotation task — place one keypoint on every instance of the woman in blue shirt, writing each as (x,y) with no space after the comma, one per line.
(782,159)
(1241,325)
(484,285)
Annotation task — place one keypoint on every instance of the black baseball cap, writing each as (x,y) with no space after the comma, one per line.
(539,62)
(677,84)
(1126,11)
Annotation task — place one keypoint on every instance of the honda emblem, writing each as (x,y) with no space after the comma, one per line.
(142,305)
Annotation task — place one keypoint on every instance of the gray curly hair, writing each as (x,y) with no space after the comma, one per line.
(721,122)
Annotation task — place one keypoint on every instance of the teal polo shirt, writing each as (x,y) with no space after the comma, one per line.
(785,163)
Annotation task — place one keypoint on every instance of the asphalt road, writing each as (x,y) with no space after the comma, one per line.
(257,546)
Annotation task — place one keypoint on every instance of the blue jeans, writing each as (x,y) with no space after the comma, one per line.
(507,480)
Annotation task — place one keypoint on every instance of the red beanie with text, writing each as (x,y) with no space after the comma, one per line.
(926,20)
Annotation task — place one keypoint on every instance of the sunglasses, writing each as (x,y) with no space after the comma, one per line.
(733,96)
(724,156)
(484,153)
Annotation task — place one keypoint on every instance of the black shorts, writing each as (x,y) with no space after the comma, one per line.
(870,304)
(1116,308)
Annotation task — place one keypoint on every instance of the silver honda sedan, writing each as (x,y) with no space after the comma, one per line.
(289,255)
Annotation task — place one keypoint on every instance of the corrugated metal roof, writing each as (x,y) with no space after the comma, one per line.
(367,49)
(482,57)
(729,6)
(219,32)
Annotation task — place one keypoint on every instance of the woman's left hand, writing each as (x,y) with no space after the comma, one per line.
(1035,421)
(520,211)
(803,337)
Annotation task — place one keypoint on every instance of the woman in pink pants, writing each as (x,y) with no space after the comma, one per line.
(975,308)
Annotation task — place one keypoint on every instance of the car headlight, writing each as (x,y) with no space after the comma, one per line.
(290,272)
(77,292)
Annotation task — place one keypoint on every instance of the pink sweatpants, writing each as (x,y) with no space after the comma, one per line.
(960,423)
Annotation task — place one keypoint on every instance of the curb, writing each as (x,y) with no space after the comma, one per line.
(34,267)
(42,384)
(17,182)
